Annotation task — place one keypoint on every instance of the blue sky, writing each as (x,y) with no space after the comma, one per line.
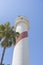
(33,10)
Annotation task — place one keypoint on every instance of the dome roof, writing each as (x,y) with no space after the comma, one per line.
(22,19)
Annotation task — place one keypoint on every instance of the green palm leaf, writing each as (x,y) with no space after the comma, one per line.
(6,30)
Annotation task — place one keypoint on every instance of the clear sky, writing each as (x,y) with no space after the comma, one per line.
(33,10)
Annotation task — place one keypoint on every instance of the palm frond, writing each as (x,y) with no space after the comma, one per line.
(6,30)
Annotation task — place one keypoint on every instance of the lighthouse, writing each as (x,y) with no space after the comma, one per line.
(20,53)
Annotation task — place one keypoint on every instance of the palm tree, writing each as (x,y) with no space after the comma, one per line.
(8,35)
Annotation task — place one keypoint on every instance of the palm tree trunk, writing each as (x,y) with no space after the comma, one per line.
(3,55)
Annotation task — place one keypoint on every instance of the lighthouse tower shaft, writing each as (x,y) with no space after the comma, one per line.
(20,54)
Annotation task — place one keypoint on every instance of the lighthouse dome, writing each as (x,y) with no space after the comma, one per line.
(22,19)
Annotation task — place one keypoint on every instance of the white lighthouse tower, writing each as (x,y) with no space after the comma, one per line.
(20,54)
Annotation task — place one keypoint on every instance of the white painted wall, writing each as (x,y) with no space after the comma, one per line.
(20,55)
